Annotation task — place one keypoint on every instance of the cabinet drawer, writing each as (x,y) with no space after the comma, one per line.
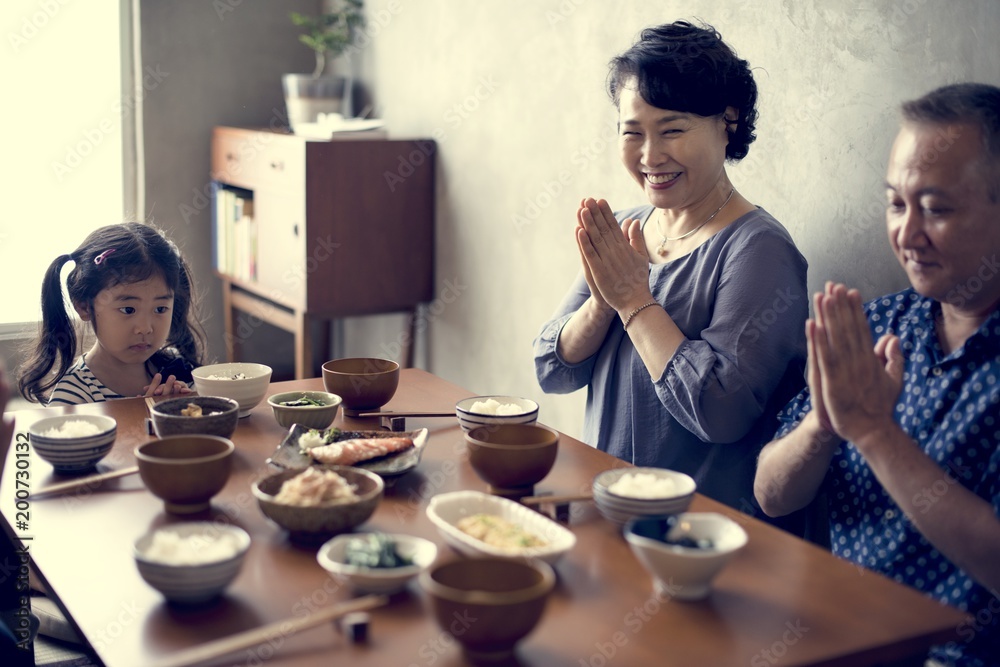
(252,159)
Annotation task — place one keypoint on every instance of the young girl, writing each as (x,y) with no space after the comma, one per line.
(135,289)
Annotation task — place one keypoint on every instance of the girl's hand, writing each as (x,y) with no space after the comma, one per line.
(171,387)
(614,259)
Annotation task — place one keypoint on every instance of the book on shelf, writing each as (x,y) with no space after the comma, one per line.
(234,233)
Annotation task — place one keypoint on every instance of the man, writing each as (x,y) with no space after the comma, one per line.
(905,441)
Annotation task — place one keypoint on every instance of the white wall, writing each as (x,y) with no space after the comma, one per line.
(514,92)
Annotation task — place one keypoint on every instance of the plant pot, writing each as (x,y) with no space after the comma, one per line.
(307,96)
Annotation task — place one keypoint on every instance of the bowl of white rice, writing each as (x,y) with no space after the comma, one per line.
(191,563)
(622,494)
(477,411)
(245,383)
(73,443)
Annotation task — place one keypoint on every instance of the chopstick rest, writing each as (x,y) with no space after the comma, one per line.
(560,504)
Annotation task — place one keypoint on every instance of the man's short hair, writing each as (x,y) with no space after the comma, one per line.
(976,104)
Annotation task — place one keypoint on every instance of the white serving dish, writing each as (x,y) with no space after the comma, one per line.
(446,509)
(385,580)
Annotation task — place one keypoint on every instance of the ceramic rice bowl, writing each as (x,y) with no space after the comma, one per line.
(619,509)
(192,583)
(69,455)
(248,389)
(469,419)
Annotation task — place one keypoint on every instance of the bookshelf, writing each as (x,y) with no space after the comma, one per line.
(307,231)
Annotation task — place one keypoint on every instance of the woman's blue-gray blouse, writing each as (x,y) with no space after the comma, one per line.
(741,300)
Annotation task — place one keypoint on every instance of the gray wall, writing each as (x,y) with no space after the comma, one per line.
(224,62)
(513,91)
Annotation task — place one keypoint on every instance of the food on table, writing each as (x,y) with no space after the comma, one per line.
(499,532)
(74,428)
(678,534)
(169,548)
(644,485)
(491,406)
(233,376)
(304,402)
(375,550)
(192,410)
(349,452)
(317,438)
(313,487)
(195,410)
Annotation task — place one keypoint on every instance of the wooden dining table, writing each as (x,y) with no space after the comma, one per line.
(779,601)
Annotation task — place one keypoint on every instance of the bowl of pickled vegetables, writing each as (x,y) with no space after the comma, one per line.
(376,562)
(684,552)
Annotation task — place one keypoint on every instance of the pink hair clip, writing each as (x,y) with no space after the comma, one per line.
(103,256)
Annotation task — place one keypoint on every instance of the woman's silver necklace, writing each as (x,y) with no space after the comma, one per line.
(662,250)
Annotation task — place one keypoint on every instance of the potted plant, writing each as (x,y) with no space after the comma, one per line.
(330,35)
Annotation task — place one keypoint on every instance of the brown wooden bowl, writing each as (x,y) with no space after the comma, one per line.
(365,383)
(185,471)
(505,597)
(510,457)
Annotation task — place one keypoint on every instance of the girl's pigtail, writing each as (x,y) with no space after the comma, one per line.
(56,342)
(187,336)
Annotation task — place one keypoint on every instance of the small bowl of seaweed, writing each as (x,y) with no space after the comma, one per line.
(312,409)
(376,562)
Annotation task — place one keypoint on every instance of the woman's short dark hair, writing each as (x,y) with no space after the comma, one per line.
(683,67)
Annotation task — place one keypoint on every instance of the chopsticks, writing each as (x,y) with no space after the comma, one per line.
(226,645)
(405,414)
(556,500)
(93,480)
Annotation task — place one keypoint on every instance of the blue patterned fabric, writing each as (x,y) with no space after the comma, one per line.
(950,405)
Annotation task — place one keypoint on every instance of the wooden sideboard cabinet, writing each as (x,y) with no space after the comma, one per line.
(308,230)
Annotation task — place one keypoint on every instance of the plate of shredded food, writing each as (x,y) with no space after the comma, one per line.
(386,453)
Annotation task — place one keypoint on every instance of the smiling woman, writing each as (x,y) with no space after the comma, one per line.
(63,174)
(691,380)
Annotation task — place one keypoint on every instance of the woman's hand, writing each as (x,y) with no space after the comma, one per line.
(858,384)
(169,387)
(595,295)
(614,258)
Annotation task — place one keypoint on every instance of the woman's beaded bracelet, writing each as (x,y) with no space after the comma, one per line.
(636,312)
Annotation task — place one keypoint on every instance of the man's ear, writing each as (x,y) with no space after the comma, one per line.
(82,310)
